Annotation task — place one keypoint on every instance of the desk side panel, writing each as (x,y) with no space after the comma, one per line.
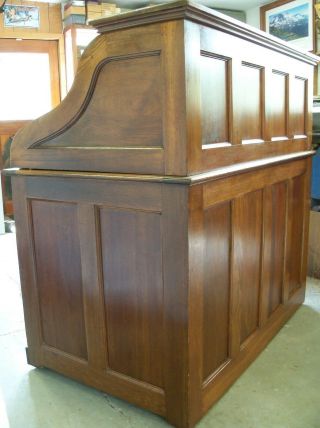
(252,274)
(244,101)
(124,113)
(104,277)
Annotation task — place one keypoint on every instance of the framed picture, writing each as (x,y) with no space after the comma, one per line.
(290,20)
(21,16)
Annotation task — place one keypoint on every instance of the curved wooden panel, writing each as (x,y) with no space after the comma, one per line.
(115,108)
(122,107)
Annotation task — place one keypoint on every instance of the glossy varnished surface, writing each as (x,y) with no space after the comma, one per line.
(133,289)
(159,264)
(216,287)
(179,96)
(162,213)
(58,270)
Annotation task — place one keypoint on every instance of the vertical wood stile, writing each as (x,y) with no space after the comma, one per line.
(28,278)
(234,343)
(266,255)
(175,276)
(306,215)
(263,103)
(193,91)
(174,99)
(291,78)
(286,275)
(196,268)
(95,322)
(236,69)
(267,134)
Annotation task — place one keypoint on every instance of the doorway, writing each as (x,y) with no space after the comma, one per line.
(30,87)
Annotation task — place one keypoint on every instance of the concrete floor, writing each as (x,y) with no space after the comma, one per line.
(281,389)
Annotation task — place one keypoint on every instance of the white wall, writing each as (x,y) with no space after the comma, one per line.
(253,17)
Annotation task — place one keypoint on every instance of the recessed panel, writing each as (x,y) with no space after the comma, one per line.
(133,290)
(296,207)
(124,110)
(59,278)
(247,259)
(298,96)
(278,104)
(216,288)
(214,99)
(251,89)
(278,223)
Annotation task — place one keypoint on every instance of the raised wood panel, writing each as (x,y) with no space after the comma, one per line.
(298,97)
(233,186)
(251,84)
(112,193)
(277,93)
(295,232)
(216,287)
(275,211)
(133,289)
(215,89)
(247,224)
(58,272)
(148,288)
(124,110)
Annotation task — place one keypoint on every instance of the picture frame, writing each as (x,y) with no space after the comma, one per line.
(21,16)
(292,21)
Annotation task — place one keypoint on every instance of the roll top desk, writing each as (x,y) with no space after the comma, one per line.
(162,208)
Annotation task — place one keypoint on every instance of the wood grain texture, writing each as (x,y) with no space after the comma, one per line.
(159,264)
(27,272)
(126,96)
(295,233)
(133,292)
(314,246)
(215,98)
(189,259)
(184,98)
(176,300)
(298,100)
(58,270)
(216,287)
(247,248)
(251,85)
(196,267)
(278,203)
(277,107)
(274,227)
(92,283)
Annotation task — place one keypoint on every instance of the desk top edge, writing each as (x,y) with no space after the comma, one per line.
(187,10)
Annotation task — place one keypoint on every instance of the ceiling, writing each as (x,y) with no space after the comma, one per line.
(220,4)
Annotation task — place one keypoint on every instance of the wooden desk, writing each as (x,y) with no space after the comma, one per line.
(162,208)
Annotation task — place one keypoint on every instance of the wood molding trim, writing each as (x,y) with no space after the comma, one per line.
(184,9)
(193,179)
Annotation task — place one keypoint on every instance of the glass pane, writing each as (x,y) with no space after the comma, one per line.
(26,86)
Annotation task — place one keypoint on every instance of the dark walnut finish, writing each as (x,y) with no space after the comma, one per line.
(162,208)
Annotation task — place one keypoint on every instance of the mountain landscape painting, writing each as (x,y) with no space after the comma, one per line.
(290,24)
